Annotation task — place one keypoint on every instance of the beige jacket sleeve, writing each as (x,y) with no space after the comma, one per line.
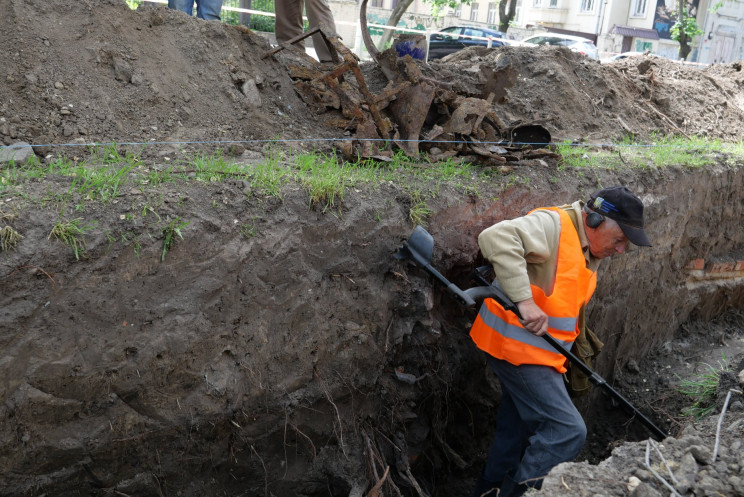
(523,251)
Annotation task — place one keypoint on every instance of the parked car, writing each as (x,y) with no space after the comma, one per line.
(575,43)
(454,38)
(625,55)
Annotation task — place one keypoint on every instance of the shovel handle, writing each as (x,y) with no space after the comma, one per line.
(464,297)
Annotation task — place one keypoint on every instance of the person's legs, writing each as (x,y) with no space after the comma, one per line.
(288,22)
(507,447)
(556,430)
(509,441)
(182,5)
(319,14)
(209,9)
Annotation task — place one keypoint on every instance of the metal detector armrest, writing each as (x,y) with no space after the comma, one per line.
(493,291)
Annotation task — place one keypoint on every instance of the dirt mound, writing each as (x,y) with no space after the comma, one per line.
(101,72)
(578,98)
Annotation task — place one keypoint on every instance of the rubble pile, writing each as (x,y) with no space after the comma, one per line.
(702,460)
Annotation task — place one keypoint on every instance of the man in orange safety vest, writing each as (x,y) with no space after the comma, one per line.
(546,262)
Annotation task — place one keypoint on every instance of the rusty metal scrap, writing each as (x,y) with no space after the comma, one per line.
(466,114)
(343,61)
(414,111)
(409,112)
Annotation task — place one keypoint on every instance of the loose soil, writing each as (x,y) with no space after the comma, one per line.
(279,348)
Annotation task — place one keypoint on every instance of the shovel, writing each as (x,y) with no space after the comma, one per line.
(421,243)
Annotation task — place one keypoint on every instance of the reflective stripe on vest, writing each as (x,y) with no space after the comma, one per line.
(518,333)
(500,334)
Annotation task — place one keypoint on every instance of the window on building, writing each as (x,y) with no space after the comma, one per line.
(642,46)
(473,11)
(553,4)
(537,3)
(639,8)
(517,11)
(493,13)
(458,10)
(376,3)
(587,5)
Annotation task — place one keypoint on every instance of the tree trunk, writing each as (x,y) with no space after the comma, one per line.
(506,16)
(684,40)
(395,16)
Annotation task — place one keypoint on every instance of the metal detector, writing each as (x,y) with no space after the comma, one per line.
(420,249)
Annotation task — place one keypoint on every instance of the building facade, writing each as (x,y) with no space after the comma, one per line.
(723,34)
(614,25)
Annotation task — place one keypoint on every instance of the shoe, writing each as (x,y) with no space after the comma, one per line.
(511,488)
(485,488)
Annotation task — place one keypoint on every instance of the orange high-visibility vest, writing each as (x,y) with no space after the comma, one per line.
(499,333)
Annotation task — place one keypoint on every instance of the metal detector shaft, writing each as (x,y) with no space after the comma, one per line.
(499,296)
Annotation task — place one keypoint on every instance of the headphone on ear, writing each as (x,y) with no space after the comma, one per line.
(593,218)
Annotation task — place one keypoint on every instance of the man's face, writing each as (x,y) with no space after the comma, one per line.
(606,240)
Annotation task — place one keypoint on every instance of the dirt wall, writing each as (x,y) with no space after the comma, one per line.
(257,360)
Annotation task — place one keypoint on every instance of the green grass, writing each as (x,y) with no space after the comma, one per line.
(658,152)
(72,233)
(419,210)
(170,232)
(9,238)
(702,388)
(102,183)
(133,239)
(248,230)
(156,177)
(268,176)
(671,151)
(327,180)
(324,178)
(212,168)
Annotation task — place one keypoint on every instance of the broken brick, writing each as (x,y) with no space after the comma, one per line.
(696,264)
(722,267)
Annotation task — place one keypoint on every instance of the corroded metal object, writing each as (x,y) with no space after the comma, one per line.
(414,111)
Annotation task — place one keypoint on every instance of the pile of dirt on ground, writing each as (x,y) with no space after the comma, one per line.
(100,72)
(579,99)
(702,456)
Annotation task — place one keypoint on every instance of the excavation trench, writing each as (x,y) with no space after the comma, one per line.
(300,357)
(280,349)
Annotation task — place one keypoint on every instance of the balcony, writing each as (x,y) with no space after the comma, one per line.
(551,16)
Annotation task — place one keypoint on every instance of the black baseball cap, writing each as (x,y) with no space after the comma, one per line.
(621,205)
